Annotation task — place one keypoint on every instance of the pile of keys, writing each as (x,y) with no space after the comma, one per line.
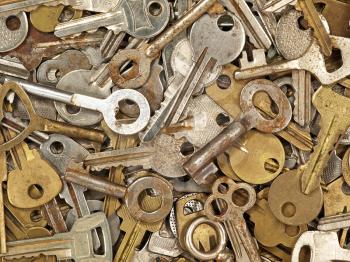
(174,130)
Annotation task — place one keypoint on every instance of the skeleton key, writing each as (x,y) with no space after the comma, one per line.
(76,244)
(334,112)
(42,124)
(249,119)
(108,106)
(3,178)
(312,61)
(314,21)
(146,54)
(34,182)
(141,19)
(303,93)
(253,28)
(225,192)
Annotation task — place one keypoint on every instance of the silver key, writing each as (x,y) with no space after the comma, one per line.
(334,223)
(141,19)
(11,38)
(312,61)
(108,106)
(13,67)
(274,5)
(324,247)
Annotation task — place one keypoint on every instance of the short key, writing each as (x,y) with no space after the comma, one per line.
(76,244)
(249,119)
(137,18)
(312,61)
(146,54)
(334,110)
(108,106)
(242,242)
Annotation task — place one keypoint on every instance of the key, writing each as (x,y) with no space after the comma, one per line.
(110,44)
(231,214)
(303,94)
(108,107)
(249,119)
(3,178)
(133,17)
(13,67)
(334,123)
(312,61)
(255,31)
(42,124)
(76,244)
(324,247)
(146,54)
(274,5)
(163,155)
(314,21)
(334,223)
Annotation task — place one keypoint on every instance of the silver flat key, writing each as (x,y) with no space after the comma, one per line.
(141,19)
(334,223)
(13,67)
(108,106)
(76,244)
(312,61)
(274,5)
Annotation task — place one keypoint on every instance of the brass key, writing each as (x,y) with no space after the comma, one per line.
(38,123)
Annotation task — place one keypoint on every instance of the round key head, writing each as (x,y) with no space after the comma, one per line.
(161,187)
(253,118)
(13,31)
(289,204)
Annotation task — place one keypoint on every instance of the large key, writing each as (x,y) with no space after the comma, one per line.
(334,110)
(146,54)
(76,244)
(231,214)
(141,19)
(312,61)
(249,119)
(108,106)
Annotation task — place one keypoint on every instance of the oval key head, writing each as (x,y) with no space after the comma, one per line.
(252,114)
(161,188)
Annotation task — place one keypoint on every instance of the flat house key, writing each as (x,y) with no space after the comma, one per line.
(76,244)
(38,123)
(146,54)
(141,19)
(226,191)
(108,106)
(312,61)
(334,110)
(250,118)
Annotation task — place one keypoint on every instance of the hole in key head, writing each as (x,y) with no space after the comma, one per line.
(67,14)
(218,207)
(35,215)
(302,23)
(240,197)
(288,209)
(223,81)
(225,23)
(271,165)
(56,148)
(222,119)
(35,191)
(305,254)
(73,110)
(187,149)
(13,23)
(345,188)
(149,200)
(155,8)
(223,188)
(334,61)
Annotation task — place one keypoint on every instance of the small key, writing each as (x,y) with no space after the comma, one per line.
(145,55)
(76,174)
(334,223)
(323,246)
(314,21)
(249,119)
(108,106)
(163,155)
(312,61)
(133,17)
(76,244)
(224,190)
(38,123)
(334,110)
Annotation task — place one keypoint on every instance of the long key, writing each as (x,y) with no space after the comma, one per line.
(312,61)
(253,28)
(301,81)
(232,216)
(3,178)
(76,244)
(13,7)
(249,119)
(334,223)
(76,174)
(130,16)
(145,55)
(313,18)
(108,106)
(334,110)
